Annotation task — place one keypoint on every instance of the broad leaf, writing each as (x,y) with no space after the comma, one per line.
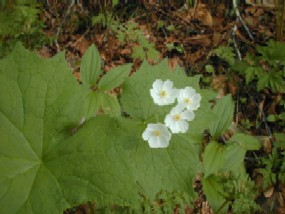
(114,77)
(224,110)
(214,158)
(247,142)
(90,66)
(40,101)
(234,158)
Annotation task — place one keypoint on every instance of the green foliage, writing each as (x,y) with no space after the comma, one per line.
(225,53)
(49,161)
(98,95)
(241,192)
(221,160)
(90,66)
(103,19)
(273,167)
(224,111)
(114,78)
(46,169)
(177,47)
(130,32)
(21,23)
(266,67)
(166,201)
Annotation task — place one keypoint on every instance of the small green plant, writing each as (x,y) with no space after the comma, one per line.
(225,53)
(177,47)
(21,23)
(273,167)
(99,94)
(130,32)
(266,67)
(223,159)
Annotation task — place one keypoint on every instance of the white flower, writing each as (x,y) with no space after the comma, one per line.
(177,119)
(157,135)
(189,98)
(163,93)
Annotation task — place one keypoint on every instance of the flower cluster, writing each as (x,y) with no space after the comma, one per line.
(163,93)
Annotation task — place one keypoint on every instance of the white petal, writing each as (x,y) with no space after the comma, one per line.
(153,93)
(174,127)
(174,93)
(177,109)
(157,85)
(197,98)
(189,91)
(152,142)
(183,125)
(146,134)
(188,115)
(152,127)
(195,106)
(167,85)
(166,135)
(163,142)
(168,120)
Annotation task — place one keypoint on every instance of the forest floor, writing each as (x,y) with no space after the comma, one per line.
(188,37)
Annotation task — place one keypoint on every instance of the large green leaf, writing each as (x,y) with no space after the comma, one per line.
(45,169)
(39,103)
(114,77)
(90,66)
(224,110)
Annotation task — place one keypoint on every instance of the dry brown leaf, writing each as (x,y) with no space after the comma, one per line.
(269,192)
(201,13)
(172,63)
(45,52)
(267,145)
(126,51)
(81,45)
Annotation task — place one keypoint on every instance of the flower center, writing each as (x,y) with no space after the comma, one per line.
(157,133)
(187,100)
(162,94)
(176,117)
